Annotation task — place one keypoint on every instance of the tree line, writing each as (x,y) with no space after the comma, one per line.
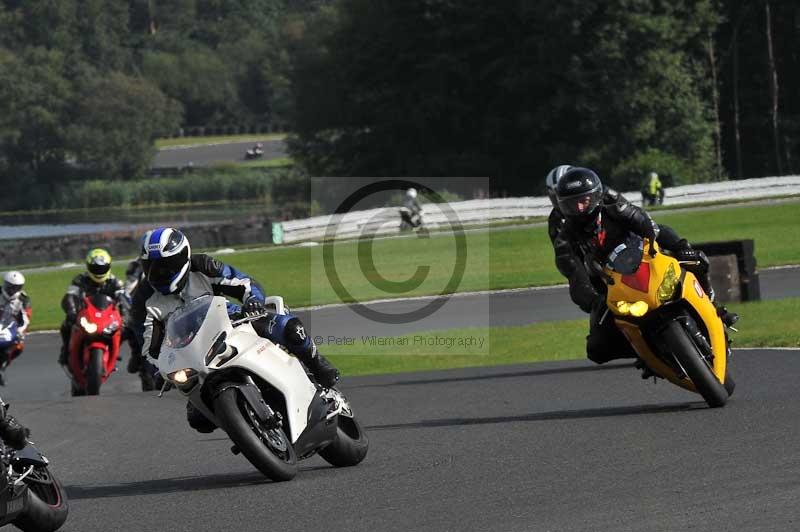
(696,89)
(699,90)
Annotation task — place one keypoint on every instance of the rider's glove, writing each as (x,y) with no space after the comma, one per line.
(253,307)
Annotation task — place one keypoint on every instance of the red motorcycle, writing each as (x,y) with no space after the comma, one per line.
(94,345)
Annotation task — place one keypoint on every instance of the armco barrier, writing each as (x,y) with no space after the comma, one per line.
(386,220)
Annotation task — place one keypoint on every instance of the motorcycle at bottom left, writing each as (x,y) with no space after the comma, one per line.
(31,497)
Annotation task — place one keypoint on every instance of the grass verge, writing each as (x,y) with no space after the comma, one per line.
(512,258)
(225,139)
(763,324)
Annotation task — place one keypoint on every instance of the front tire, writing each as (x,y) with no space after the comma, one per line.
(94,372)
(698,370)
(46,503)
(269,449)
(350,446)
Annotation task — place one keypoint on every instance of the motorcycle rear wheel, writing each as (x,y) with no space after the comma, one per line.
(46,505)
(350,446)
(95,372)
(268,449)
(698,370)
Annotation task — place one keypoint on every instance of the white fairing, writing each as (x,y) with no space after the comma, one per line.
(256,355)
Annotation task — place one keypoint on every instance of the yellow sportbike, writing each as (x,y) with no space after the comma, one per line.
(670,321)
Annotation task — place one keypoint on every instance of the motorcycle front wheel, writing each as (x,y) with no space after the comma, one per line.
(267,448)
(695,365)
(46,505)
(94,372)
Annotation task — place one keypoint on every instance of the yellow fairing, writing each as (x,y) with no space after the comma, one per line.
(621,297)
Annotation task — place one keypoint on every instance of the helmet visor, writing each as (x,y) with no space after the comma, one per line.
(98,269)
(11,289)
(162,272)
(581,204)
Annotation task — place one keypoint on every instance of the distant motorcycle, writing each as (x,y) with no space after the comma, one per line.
(409,220)
(10,341)
(257,392)
(94,344)
(256,152)
(31,498)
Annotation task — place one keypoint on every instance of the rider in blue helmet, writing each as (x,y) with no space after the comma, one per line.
(175,275)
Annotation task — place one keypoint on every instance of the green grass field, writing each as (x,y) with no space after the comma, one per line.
(199,141)
(762,324)
(509,258)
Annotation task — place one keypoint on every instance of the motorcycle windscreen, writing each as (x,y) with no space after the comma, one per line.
(100,301)
(627,256)
(184,323)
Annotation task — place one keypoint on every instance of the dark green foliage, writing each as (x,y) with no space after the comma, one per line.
(117,117)
(202,185)
(86,86)
(508,89)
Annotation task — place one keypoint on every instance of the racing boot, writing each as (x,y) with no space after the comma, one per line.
(135,363)
(728,318)
(646,371)
(198,421)
(13,433)
(63,355)
(323,371)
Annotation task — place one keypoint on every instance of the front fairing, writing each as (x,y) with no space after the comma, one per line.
(179,354)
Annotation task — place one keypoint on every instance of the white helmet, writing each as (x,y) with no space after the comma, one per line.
(13,283)
(552,180)
(411,193)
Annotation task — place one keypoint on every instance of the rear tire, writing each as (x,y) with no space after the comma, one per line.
(698,370)
(350,446)
(95,372)
(269,450)
(46,506)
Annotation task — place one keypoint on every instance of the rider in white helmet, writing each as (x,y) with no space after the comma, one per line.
(13,295)
(13,299)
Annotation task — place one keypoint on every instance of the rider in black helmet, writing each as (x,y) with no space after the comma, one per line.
(596,217)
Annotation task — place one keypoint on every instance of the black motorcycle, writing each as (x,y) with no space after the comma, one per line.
(31,498)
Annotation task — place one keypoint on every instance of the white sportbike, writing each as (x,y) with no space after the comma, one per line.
(255,391)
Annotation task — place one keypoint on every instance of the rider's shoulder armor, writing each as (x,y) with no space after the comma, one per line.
(206,264)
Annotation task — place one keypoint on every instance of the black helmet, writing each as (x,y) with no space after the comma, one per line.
(579,193)
(165,257)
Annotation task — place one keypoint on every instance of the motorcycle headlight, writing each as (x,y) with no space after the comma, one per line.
(88,326)
(181,376)
(636,309)
(111,328)
(668,287)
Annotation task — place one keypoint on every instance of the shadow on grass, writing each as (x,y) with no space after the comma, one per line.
(588,413)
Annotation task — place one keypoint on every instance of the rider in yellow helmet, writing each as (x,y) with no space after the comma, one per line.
(96,279)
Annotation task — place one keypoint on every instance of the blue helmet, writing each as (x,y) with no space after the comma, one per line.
(166,256)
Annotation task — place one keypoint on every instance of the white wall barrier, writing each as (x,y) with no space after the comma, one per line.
(386,220)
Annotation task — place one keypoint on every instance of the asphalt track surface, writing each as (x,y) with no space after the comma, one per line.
(205,155)
(555,446)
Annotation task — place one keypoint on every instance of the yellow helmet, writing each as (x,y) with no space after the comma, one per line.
(98,265)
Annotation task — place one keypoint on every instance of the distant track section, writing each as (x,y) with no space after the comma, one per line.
(386,219)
